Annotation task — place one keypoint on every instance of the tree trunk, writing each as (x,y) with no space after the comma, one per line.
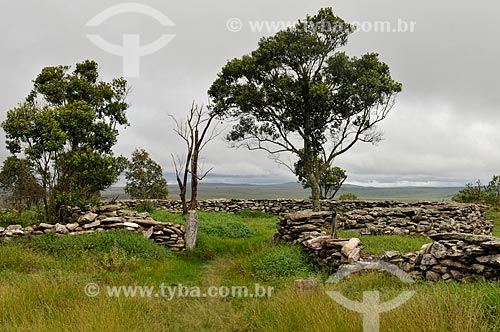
(182,194)
(192,224)
(315,196)
(194,172)
(312,175)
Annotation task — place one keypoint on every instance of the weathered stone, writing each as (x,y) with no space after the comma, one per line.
(438,250)
(147,234)
(490,259)
(306,285)
(478,268)
(432,276)
(45,226)
(87,218)
(457,275)
(350,246)
(469,238)
(426,248)
(428,259)
(111,226)
(61,229)
(390,255)
(355,255)
(109,208)
(112,220)
(131,225)
(71,227)
(14,227)
(92,225)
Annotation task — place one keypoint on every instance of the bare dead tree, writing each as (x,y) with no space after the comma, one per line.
(196,131)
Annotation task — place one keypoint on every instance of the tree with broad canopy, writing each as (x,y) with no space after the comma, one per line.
(297,91)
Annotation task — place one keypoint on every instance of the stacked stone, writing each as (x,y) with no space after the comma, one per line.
(331,253)
(301,226)
(307,229)
(453,256)
(365,217)
(422,220)
(105,218)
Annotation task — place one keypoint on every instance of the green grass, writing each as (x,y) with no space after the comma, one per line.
(42,282)
(24,218)
(493,214)
(378,244)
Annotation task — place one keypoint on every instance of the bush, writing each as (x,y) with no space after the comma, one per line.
(479,193)
(25,218)
(145,206)
(348,197)
(281,261)
(111,245)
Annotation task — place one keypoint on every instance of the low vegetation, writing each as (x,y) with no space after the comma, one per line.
(478,193)
(48,275)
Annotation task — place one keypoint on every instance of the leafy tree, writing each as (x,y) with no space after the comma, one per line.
(479,193)
(348,197)
(297,91)
(66,128)
(19,184)
(330,180)
(145,177)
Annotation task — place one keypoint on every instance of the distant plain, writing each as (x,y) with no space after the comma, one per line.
(295,191)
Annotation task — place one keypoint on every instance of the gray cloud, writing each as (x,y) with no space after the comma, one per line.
(441,131)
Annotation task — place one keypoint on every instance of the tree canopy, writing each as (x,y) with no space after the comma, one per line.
(298,91)
(19,184)
(145,177)
(330,180)
(66,129)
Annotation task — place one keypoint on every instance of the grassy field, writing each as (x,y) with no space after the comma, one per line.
(42,282)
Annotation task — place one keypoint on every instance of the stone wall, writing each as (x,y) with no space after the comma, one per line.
(422,218)
(105,218)
(366,217)
(452,256)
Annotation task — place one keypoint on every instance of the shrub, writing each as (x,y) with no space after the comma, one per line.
(479,193)
(348,197)
(25,218)
(281,261)
(145,206)
(108,245)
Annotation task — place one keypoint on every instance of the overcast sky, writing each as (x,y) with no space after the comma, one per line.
(443,129)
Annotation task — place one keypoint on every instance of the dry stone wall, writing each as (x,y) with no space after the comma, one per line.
(452,256)
(105,218)
(365,217)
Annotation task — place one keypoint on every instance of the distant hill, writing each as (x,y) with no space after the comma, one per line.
(295,190)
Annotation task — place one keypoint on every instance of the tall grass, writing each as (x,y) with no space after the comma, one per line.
(42,282)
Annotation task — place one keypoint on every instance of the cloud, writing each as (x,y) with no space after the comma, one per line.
(443,128)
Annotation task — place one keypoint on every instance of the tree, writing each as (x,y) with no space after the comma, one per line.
(66,129)
(19,184)
(330,180)
(479,193)
(196,131)
(145,177)
(297,91)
